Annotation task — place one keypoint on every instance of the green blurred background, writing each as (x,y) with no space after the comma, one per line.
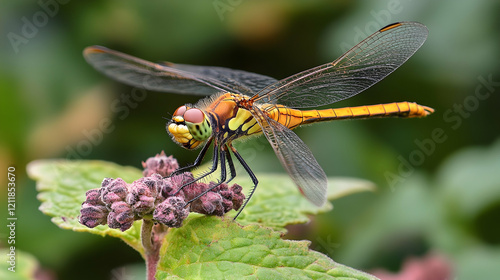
(443,195)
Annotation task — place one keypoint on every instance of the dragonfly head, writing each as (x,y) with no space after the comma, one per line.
(189,127)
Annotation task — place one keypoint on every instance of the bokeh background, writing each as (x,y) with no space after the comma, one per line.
(438,178)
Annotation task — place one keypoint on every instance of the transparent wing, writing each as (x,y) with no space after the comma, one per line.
(239,81)
(295,157)
(359,68)
(170,77)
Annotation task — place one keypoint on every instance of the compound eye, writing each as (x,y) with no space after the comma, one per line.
(194,116)
(180,111)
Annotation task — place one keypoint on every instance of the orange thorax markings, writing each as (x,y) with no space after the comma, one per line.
(233,120)
(223,108)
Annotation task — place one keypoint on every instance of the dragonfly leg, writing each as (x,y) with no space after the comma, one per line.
(197,161)
(250,173)
(215,163)
(232,170)
(223,153)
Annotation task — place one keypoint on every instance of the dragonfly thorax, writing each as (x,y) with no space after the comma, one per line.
(189,127)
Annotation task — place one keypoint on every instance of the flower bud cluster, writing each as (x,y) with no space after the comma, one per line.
(119,204)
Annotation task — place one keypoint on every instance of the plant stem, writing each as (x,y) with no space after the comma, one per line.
(151,249)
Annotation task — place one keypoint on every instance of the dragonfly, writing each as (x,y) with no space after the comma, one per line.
(240,104)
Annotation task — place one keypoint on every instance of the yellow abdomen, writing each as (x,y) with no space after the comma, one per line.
(292,118)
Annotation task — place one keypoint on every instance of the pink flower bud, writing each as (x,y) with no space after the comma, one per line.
(113,190)
(160,164)
(93,211)
(122,221)
(143,194)
(121,216)
(209,204)
(172,185)
(93,215)
(193,190)
(171,212)
(238,196)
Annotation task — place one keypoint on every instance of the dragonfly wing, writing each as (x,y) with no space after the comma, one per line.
(244,82)
(295,157)
(140,73)
(359,68)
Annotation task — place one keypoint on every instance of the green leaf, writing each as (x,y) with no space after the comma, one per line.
(219,248)
(62,185)
(206,247)
(25,265)
(277,202)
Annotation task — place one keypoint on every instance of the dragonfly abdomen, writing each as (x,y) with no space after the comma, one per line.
(293,117)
